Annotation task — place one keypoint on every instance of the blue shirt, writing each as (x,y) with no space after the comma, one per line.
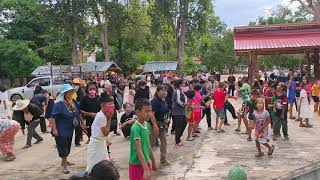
(64,118)
(160,108)
(292,90)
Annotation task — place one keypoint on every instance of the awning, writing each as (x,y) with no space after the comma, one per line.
(156,66)
(281,38)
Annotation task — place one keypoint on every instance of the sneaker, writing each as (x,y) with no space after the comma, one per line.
(286,138)
(78,145)
(210,128)
(227,124)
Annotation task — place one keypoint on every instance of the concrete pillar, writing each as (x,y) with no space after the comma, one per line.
(253,71)
(316,64)
(309,60)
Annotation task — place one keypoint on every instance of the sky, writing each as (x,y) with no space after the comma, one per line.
(241,12)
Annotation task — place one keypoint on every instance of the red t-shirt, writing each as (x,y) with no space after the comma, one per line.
(219,98)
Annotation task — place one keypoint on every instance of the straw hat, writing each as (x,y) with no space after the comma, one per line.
(65,88)
(76,81)
(21,104)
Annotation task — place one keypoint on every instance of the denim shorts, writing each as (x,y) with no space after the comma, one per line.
(221,114)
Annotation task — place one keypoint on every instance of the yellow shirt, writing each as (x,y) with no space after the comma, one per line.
(74,96)
(315,90)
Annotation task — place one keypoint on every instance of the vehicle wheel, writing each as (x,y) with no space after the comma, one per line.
(15,97)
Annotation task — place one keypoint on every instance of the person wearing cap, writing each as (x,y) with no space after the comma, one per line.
(8,130)
(31,116)
(65,118)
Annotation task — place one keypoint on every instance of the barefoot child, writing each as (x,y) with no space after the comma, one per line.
(141,155)
(262,120)
(252,107)
(281,111)
(189,115)
(242,114)
(304,108)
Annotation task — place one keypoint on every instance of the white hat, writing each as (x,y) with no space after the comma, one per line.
(21,104)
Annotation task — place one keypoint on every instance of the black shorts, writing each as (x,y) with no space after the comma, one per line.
(63,145)
(315,98)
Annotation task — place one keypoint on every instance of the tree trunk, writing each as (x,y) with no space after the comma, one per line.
(104,41)
(74,45)
(183,31)
(316,65)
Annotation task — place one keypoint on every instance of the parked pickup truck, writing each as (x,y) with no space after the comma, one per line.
(26,92)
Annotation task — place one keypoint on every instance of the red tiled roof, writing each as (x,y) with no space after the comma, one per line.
(277,37)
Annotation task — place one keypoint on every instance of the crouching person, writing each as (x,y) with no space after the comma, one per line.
(8,130)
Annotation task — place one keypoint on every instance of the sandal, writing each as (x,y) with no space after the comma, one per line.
(26,147)
(237,130)
(190,139)
(249,139)
(270,152)
(302,125)
(9,158)
(70,164)
(66,169)
(259,154)
(308,126)
(292,117)
(220,130)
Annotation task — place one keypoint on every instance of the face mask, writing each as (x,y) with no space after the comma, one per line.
(108,108)
(92,92)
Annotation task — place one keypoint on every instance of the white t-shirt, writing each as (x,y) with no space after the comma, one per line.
(4,96)
(99,121)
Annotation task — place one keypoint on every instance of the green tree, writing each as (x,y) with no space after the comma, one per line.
(17,59)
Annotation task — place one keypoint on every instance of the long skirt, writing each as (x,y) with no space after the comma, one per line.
(96,152)
(7,139)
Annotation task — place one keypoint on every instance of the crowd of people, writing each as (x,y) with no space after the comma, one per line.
(177,107)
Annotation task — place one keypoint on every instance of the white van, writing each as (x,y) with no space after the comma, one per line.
(26,92)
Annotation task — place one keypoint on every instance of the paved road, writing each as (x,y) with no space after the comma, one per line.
(209,157)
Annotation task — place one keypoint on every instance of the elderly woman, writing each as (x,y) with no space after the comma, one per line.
(30,114)
(65,117)
(8,130)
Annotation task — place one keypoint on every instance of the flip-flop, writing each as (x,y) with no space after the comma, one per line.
(271,152)
(249,139)
(302,125)
(259,155)
(308,126)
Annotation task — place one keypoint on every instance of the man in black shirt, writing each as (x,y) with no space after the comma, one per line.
(89,107)
(228,106)
(127,119)
(143,91)
(232,88)
(41,100)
